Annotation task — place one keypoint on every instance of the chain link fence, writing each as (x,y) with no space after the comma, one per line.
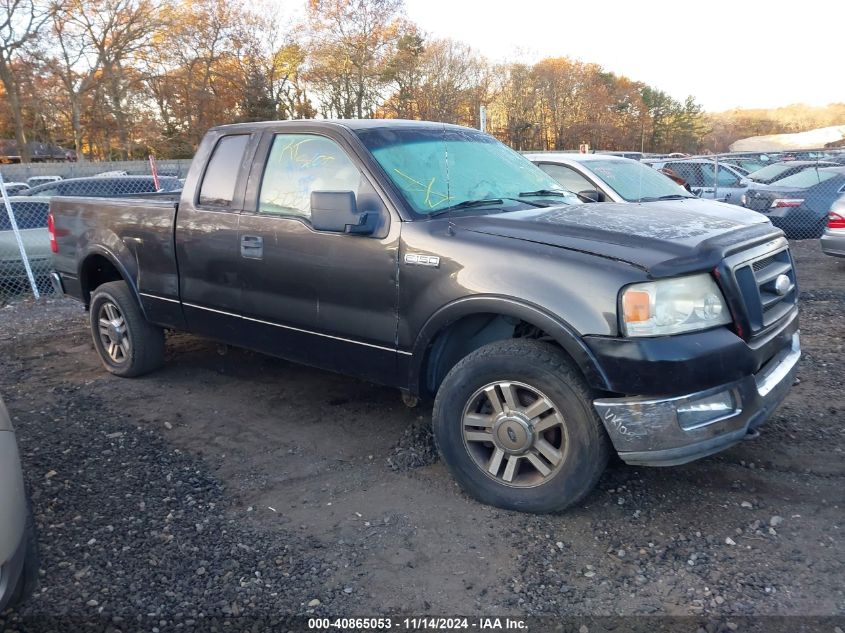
(25,256)
(795,190)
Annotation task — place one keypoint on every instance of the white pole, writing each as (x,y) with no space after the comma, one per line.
(482,119)
(18,238)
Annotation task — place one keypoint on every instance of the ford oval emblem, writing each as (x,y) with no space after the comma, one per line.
(782,285)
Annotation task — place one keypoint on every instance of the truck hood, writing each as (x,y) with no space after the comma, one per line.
(663,238)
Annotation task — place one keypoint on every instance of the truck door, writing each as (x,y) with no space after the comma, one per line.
(322,298)
(207,248)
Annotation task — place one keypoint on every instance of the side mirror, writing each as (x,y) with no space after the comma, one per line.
(591,195)
(337,211)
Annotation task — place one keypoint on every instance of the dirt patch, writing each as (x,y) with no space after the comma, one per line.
(415,448)
(333,486)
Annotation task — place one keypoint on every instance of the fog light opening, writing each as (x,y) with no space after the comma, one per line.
(706,410)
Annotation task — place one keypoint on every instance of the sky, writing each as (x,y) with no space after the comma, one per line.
(727,54)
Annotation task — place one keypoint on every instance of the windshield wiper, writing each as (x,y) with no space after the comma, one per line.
(468,204)
(548,192)
(671,196)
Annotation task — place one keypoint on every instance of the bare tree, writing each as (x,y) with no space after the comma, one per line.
(20,22)
(98,41)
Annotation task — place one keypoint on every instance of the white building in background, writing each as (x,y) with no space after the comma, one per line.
(811,139)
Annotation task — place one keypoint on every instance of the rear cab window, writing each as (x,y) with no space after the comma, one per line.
(221,174)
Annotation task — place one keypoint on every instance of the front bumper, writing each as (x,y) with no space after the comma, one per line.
(647,431)
(833,243)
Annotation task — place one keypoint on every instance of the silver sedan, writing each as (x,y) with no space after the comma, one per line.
(833,238)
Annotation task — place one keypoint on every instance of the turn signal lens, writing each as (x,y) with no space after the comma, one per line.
(637,306)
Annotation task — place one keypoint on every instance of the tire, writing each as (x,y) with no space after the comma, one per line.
(116,315)
(558,454)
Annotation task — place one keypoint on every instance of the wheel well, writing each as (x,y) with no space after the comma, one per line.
(466,335)
(97,270)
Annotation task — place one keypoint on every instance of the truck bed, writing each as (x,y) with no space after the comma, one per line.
(137,232)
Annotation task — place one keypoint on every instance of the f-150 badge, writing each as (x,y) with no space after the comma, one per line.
(414,259)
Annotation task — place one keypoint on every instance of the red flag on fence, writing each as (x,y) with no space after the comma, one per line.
(154,171)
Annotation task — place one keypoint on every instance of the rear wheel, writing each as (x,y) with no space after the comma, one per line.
(128,345)
(515,424)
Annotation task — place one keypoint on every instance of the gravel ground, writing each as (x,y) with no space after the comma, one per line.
(234,488)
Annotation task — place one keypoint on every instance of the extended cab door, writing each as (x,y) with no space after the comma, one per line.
(322,298)
(207,249)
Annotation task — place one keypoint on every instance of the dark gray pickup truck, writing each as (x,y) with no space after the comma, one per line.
(434,259)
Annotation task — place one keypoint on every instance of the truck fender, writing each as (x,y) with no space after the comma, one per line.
(557,328)
(114,260)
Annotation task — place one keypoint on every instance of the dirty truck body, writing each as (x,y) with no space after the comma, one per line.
(433,259)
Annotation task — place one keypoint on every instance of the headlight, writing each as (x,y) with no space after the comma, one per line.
(672,306)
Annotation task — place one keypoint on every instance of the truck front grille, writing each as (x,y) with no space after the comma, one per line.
(768,288)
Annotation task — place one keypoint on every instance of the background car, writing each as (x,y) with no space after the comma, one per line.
(630,155)
(741,170)
(105,187)
(15,188)
(701,175)
(18,549)
(31,217)
(799,204)
(776,171)
(833,238)
(607,177)
(749,162)
(603,178)
(34,181)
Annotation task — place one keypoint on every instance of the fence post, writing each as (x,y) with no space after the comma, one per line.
(18,238)
(716,180)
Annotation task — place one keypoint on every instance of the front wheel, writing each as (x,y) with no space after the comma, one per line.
(127,344)
(515,425)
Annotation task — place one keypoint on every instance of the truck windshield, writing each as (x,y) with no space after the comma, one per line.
(439,168)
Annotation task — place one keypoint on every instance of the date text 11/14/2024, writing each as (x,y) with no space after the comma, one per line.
(417,624)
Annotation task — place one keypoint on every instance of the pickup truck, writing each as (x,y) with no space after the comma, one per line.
(434,259)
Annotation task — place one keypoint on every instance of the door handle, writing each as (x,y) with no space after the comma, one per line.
(252,246)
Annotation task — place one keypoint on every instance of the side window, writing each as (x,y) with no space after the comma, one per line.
(689,172)
(708,172)
(727,178)
(567,177)
(299,164)
(221,175)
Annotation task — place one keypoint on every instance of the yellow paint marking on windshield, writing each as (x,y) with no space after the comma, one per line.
(426,189)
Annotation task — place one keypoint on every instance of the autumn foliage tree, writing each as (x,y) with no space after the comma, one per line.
(125,78)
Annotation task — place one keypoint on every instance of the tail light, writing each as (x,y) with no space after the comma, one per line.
(51,227)
(781,203)
(836,220)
